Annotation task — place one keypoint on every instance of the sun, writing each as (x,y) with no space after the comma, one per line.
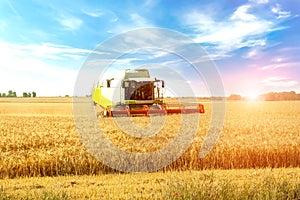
(252,96)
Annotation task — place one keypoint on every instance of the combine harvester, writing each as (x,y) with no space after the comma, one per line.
(136,93)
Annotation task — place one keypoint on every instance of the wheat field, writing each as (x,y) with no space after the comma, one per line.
(39,139)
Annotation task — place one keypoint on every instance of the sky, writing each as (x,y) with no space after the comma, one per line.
(253,44)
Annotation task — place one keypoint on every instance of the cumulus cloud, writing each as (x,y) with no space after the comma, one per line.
(241,13)
(228,35)
(245,27)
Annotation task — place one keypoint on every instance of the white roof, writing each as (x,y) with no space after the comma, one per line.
(141,79)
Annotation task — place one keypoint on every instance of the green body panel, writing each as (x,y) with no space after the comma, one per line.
(99,99)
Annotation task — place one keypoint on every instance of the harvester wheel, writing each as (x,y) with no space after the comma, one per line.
(107,112)
(182,108)
(146,109)
(127,108)
(201,108)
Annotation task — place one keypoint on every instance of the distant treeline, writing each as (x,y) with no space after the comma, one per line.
(280,96)
(11,93)
(271,96)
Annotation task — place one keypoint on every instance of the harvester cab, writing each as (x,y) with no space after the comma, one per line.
(140,88)
(136,93)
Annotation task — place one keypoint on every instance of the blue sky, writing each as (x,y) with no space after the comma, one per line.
(254,44)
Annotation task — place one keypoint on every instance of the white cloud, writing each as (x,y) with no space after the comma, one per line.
(278,82)
(138,20)
(289,49)
(70,22)
(252,53)
(245,27)
(260,1)
(280,65)
(48,69)
(150,3)
(214,57)
(241,13)
(135,21)
(93,12)
(280,13)
(199,21)
(42,51)
(26,74)
(253,43)
(230,36)
(97,13)
(160,54)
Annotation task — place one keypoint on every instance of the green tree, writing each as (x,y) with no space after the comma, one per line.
(234,97)
(3,94)
(10,93)
(29,94)
(25,94)
(33,94)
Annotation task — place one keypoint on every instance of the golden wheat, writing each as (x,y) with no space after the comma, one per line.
(40,138)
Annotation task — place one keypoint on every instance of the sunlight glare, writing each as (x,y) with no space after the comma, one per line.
(252,96)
